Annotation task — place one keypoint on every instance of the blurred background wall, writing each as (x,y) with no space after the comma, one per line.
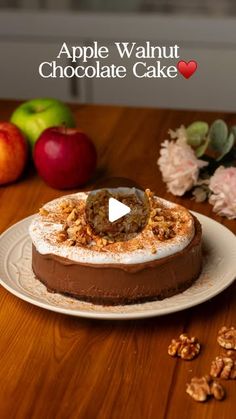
(32,31)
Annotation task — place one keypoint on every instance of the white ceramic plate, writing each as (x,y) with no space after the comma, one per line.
(16,276)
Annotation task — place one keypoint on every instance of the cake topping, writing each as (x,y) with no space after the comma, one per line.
(62,228)
(88,225)
(125,227)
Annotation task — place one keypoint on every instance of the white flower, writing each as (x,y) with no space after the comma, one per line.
(179,165)
(180,133)
(223,187)
(200,194)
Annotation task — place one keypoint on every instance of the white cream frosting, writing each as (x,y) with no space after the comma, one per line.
(41,229)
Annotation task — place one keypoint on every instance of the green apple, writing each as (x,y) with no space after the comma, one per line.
(34,116)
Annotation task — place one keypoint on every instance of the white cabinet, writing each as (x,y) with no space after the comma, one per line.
(208,88)
(19,72)
(29,37)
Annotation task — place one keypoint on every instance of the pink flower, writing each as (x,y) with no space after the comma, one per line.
(223,187)
(179,134)
(179,166)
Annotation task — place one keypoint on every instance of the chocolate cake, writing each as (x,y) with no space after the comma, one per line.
(71,258)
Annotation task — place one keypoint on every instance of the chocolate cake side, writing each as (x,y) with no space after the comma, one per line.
(115,284)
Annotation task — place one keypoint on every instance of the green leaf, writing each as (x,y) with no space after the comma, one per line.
(202,148)
(227,146)
(218,135)
(196,132)
(233,129)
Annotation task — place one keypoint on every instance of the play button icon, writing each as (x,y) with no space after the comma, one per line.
(117,210)
(117,214)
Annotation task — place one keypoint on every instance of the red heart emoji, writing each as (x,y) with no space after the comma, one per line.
(187,69)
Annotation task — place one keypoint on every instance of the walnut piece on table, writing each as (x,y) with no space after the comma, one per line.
(184,347)
(217,390)
(200,389)
(227,337)
(223,367)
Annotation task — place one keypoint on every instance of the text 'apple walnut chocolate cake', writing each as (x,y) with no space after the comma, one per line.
(116,263)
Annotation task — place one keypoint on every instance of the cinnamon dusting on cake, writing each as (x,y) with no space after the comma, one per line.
(164,224)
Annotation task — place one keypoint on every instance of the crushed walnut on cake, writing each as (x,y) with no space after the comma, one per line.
(97,208)
(147,214)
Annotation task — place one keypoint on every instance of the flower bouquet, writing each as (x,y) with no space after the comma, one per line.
(202,159)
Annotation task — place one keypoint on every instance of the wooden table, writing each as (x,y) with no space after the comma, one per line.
(56,366)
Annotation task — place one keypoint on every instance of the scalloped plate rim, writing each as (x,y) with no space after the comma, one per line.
(118,315)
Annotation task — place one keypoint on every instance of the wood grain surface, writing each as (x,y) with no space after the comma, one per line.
(56,366)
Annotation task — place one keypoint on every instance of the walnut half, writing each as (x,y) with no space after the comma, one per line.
(223,367)
(217,390)
(185,347)
(200,389)
(227,337)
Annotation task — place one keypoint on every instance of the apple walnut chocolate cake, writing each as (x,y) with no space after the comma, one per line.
(78,253)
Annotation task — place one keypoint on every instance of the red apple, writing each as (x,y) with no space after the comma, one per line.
(64,157)
(13,153)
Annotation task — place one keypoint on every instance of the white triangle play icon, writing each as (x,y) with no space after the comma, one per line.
(117,210)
